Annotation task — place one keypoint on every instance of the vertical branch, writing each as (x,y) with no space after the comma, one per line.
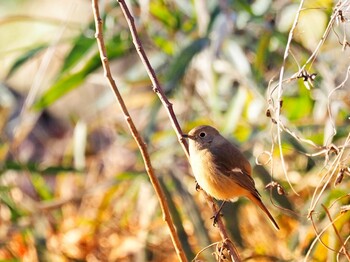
(169,107)
(140,143)
(223,233)
(152,75)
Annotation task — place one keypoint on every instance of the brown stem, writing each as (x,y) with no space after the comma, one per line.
(141,144)
(152,75)
(169,107)
(223,233)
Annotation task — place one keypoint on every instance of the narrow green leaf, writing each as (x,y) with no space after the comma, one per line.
(60,88)
(35,168)
(117,47)
(180,63)
(244,5)
(7,200)
(297,108)
(41,187)
(169,17)
(81,45)
(24,58)
(78,53)
(164,44)
(175,214)
(262,55)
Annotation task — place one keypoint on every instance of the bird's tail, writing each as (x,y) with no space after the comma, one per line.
(258,202)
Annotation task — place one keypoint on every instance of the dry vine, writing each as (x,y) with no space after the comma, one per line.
(333,167)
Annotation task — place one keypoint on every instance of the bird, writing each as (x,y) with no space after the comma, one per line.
(220,168)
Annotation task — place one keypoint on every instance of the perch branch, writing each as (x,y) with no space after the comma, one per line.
(152,75)
(169,108)
(141,144)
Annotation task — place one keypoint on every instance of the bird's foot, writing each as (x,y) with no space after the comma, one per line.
(215,217)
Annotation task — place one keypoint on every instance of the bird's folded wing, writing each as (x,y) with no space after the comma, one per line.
(236,167)
(242,179)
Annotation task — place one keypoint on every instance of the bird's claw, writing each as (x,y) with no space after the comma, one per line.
(215,218)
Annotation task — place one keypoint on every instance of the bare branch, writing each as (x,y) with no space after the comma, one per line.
(141,144)
(169,107)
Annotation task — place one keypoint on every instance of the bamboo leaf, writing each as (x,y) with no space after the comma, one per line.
(81,45)
(35,168)
(24,58)
(181,62)
(117,47)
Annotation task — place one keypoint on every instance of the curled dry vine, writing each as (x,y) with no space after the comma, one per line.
(335,155)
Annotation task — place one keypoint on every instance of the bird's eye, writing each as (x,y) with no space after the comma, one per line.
(202,134)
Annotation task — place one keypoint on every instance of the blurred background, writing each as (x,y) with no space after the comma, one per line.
(73,185)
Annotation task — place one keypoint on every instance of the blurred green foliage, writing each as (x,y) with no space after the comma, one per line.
(218,62)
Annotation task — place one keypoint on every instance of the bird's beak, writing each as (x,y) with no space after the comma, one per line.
(187,136)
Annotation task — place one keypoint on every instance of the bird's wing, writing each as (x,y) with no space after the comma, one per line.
(236,166)
(243,179)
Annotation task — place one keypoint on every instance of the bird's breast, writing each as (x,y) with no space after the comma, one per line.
(210,179)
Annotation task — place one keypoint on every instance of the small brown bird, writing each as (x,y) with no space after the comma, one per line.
(220,168)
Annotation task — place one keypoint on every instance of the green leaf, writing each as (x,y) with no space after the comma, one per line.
(41,187)
(78,52)
(117,47)
(169,17)
(81,45)
(7,200)
(24,58)
(164,44)
(175,214)
(180,63)
(244,5)
(262,55)
(297,107)
(60,88)
(35,168)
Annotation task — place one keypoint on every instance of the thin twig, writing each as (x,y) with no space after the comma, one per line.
(345,242)
(152,75)
(169,107)
(280,91)
(333,167)
(141,144)
(343,248)
(318,238)
(203,249)
(331,118)
(331,22)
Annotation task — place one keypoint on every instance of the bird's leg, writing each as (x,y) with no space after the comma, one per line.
(217,214)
